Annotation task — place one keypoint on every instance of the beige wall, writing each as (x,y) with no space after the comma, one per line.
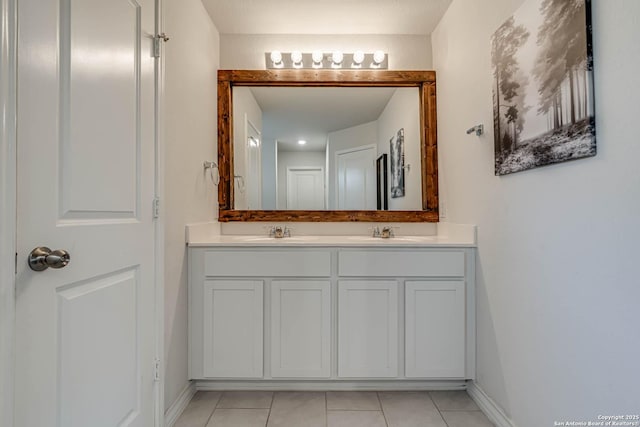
(191,61)
(247,51)
(403,112)
(557,277)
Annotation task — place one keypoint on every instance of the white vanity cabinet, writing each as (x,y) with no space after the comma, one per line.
(435,330)
(232,328)
(367,329)
(300,328)
(333,314)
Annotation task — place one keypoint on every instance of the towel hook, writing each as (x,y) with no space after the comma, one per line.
(210,166)
(478,129)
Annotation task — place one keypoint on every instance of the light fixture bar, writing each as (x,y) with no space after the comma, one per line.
(350,61)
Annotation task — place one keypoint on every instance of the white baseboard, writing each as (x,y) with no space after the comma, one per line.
(179,405)
(490,408)
(283,385)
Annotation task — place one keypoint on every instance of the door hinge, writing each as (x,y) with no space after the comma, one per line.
(156,207)
(157,41)
(156,369)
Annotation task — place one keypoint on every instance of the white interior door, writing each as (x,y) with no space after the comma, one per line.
(85,334)
(356,183)
(305,188)
(254,166)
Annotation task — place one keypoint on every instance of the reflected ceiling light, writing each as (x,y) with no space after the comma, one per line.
(276,58)
(358,58)
(317,57)
(337,57)
(296,59)
(378,57)
(302,142)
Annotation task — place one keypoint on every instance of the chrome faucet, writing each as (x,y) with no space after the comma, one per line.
(278,232)
(387,232)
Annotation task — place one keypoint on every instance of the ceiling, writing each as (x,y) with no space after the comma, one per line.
(293,113)
(326,16)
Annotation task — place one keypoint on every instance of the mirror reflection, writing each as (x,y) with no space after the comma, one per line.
(326,148)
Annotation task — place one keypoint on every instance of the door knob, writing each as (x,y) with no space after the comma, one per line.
(42,258)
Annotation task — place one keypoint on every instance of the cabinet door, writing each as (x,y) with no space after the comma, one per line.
(233,328)
(368,329)
(300,328)
(435,329)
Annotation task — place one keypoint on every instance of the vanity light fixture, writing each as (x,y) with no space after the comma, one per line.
(302,142)
(326,59)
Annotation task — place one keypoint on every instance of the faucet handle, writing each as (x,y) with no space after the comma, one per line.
(271,230)
(375,231)
(287,231)
(387,231)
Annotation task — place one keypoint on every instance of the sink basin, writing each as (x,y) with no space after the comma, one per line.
(273,239)
(389,240)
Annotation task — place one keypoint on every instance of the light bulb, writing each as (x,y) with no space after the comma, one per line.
(317,56)
(276,57)
(337,57)
(302,142)
(296,57)
(358,57)
(378,57)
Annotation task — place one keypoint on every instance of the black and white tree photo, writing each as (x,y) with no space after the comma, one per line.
(397,164)
(543,86)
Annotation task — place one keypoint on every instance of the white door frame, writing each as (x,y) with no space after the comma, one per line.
(8,205)
(8,162)
(160,221)
(338,153)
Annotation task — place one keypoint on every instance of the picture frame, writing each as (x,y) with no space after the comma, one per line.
(543,97)
(382,181)
(396,148)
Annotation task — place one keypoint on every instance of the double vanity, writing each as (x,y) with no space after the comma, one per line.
(328,306)
(331,312)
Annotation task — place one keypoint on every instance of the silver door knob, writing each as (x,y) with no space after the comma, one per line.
(42,258)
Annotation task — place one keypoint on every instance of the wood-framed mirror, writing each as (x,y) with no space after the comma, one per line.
(335,207)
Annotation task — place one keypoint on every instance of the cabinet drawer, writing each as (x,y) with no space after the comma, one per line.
(401,263)
(255,263)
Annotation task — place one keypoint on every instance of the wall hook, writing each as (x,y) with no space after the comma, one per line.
(478,129)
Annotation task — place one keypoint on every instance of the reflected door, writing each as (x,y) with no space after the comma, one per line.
(356,183)
(305,188)
(85,333)
(253,167)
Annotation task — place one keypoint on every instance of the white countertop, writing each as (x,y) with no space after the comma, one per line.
(448,236)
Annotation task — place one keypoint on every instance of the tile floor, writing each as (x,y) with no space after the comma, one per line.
(332,409)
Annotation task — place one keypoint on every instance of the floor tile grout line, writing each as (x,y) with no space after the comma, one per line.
(435,405)
(386,422)
(214,409)
(326,410)
(273,396)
